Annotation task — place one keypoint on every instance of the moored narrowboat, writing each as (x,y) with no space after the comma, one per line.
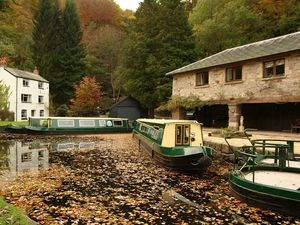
(176,144)
(267,174)
(67,125)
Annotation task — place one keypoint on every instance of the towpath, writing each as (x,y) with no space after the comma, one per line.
(255,135)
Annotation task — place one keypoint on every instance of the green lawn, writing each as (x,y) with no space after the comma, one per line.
(18,123)
(10,214)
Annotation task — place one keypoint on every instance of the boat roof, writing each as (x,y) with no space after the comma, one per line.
(166,121)
(81,118)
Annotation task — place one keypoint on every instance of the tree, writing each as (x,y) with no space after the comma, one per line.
(160,40)
(3,5)
(87,98)
(45,36)
(105,44)
(99,12)
(69,64)
(231,24)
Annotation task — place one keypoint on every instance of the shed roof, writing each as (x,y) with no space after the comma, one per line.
(25,74)
(273,46)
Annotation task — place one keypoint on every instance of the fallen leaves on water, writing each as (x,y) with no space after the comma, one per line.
(118,184)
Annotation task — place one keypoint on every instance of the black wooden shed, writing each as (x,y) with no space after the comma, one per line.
(128,107)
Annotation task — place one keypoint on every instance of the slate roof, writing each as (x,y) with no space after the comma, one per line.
(277,45)
(25,74)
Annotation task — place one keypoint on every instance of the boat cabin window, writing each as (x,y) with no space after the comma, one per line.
(44,123)
(118,123)
(102,123)
(87,123)
(182,134)
(65,123)
(144,128)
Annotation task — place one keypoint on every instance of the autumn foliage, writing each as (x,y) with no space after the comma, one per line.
(87,97)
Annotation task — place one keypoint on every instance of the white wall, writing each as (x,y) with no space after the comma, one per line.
(17,89)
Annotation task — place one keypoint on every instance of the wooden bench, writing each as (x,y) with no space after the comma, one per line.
(295,126)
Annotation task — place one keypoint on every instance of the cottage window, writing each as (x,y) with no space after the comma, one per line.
(202,78)
(25,83)
(23,114)
(234,74)
(41,85)
(26,157)
(41,154)
(42,113)
(32,113)
(26,98)
(41,99)
(274,68)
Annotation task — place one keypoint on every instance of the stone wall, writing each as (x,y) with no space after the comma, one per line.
(253,88)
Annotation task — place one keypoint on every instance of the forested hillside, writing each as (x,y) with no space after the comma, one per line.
(130,52)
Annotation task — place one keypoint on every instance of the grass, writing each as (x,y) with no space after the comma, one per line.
(10,214)
(17,123)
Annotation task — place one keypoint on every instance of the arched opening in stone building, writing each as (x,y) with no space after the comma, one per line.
(271,116)
(212,116)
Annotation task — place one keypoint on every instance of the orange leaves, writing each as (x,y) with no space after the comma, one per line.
(87,97)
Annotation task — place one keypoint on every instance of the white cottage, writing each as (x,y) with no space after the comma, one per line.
(29,93)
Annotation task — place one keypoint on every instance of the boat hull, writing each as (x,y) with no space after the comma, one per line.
(192,162)
(269,197)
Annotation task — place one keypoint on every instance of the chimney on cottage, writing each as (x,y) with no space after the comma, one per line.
(36,71)
(3,61)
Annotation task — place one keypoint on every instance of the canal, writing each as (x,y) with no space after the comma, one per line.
(105,179)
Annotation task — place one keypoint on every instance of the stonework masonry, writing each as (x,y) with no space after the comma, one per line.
(253,88)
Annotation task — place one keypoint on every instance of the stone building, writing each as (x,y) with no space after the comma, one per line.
(259,81)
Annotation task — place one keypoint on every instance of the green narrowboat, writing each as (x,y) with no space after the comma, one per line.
(176,144)
(69,125)
(267,174)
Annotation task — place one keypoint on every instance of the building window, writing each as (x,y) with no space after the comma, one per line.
(274,68)
(26,157)
(25,98)
(41,99)
(234,74)
(24,114)
(41,85)
(25,83)
(42,113)
(32,113)
(202,78)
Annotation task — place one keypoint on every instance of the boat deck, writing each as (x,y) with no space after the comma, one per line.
(289,163)
(287,180)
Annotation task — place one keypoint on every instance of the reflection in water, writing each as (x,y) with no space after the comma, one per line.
(18,156)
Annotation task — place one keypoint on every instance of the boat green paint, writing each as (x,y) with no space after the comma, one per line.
(66,125)
(249,161)
(151,135)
